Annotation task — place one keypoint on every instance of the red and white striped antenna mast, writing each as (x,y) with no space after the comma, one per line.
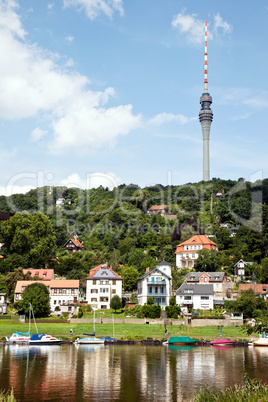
(206,59)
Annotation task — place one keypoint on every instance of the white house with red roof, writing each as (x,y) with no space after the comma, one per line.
(102,284)
(73,245)
(3,305)
(187,252)
(157,209)
(61,291)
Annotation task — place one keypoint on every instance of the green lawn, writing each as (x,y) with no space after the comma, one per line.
(123,331)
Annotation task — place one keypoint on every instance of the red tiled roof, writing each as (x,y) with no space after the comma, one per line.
(20,284)
(196,240)
(76,242)
(64,283)
(49,273)
(257,288)
(156,207)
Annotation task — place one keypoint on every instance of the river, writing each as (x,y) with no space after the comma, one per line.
(124,372)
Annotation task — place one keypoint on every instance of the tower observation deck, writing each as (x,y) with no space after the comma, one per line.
(205,117)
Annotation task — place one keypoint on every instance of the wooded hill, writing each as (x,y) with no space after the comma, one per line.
(114,227)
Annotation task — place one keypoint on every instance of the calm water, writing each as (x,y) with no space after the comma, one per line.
(124,373)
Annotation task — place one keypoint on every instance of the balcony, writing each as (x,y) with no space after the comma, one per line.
(157,294)
(161,283)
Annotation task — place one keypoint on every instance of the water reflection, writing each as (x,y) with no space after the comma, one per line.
(124,373)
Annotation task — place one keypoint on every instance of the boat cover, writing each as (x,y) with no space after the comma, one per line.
(36,337)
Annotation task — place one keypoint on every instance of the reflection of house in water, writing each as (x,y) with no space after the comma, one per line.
(101,373)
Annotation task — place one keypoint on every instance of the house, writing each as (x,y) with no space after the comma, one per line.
(217,279)
(73,245)
(258,289)
(219,194)
(195,296)
(240,268)
(156,283)
(45,274)
(61,200)
(102,284)
(64,293)
(157,209)
(22,285)
(187,252)
(3,305)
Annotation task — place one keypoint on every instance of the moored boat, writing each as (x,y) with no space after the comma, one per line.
(89,340)
(43,339)
(261,342)
(18,338)
(222,342)
(181,340)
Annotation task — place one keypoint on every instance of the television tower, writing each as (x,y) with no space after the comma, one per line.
(205,115)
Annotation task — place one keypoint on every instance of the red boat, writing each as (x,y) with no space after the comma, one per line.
(222,342)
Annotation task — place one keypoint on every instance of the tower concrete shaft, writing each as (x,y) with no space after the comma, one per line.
(205,116)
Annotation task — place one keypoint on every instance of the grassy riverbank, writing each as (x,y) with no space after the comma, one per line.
(251,390)
(124,331)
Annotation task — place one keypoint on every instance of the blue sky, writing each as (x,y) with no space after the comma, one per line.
(107,91)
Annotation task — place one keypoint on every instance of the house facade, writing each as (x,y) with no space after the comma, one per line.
(156,283)
(63,292)
(3,305)
(102,284)
(22,285)
(240,268)
(197,297)
(187,252)
(73,245)
(157,209)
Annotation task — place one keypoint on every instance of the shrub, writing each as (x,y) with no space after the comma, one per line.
(172,310)
(151,311)
(80,312)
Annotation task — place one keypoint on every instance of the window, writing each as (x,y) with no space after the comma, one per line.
(94,282)
(107,282)
(113,291)
(187,297)
(188,291)
(103,307)
(60,290)
(101,282)
(72,291)
(206,279)
(55,302)
(64,291)
(93,299)
(55,291)
(156,290)
(204,297)
(193,255)
(114,282)
(94,291)
(150,289)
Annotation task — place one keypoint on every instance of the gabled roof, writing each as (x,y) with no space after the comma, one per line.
(103,271)
(245,262)
(196,289)
(212,276)
(153,270)
(76,243)
(157,207)
(46,274)
(198,239)
(163,263)
(21,284)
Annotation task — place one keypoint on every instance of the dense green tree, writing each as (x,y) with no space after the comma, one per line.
(248,304)
(116,302)
(150,301)
(31,236)
(13,277)
(207,261)
(130,276)
(37,295)
(264,271)
(3,285)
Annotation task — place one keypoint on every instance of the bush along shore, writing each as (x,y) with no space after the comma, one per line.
(252,390)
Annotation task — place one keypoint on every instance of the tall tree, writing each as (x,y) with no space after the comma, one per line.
(38,295)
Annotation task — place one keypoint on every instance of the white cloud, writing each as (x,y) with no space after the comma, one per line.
(162,118)
(37,134)
(9,190)
(219,23)
(34,84)
(194,28)
(69,38)
(255,99)
(50,6)
(93,8)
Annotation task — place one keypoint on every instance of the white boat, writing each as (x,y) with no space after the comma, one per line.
(43,339)
(91,339)
(261,342)
(19,338)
